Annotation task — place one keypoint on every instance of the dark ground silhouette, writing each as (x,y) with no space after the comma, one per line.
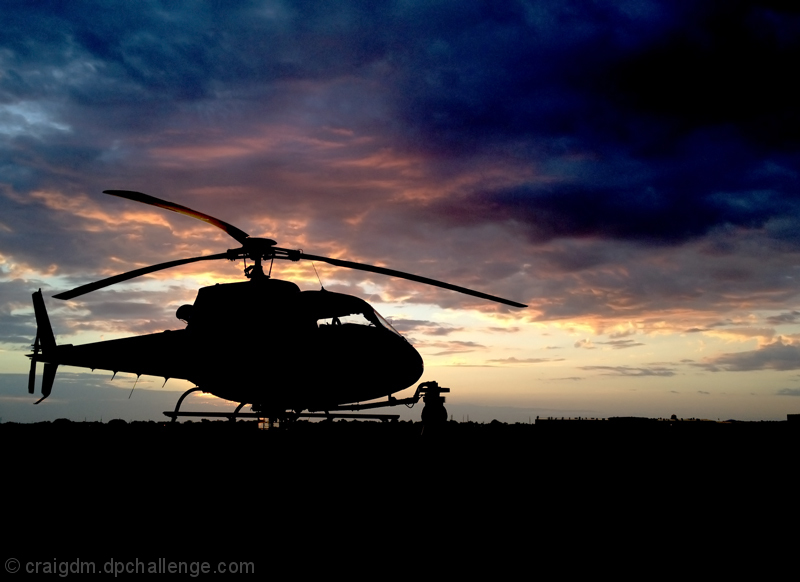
(507,493)
(625,442)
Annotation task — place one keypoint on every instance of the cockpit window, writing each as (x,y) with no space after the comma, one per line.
(354,318)
(370,318)
(382,320)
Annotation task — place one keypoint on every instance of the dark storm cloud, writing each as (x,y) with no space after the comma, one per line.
(655,125)
(729,63)
(655,211)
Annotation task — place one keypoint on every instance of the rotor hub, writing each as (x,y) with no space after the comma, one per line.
(262,246)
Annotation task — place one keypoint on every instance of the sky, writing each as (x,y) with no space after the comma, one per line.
(629,170)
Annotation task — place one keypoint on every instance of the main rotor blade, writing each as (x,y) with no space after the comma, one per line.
(239,235)
(410,277)
(89,287)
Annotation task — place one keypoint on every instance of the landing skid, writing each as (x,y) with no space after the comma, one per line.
(234,415)
(433,413)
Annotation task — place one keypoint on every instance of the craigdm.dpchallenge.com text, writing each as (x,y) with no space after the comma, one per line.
(77,567)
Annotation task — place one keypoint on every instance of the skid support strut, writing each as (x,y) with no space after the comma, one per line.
(229,415)
(176,413)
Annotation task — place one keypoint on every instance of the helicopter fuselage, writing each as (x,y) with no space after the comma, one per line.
(266,343)
(262,342)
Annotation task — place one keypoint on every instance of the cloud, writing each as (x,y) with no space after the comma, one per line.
(631,371)
(576,99)
(619,124)
(743,333)
(622,344)
(448,348)
(16,316)
(511,329)
(514,150)
(776,355)
(424,327)
(789,392)
(783,318)
(630,330)
(625,168)
(525,360)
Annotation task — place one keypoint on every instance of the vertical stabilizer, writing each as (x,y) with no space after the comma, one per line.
(46,342)
(44,329)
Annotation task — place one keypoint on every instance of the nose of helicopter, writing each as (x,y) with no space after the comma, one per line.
(388,363)
(409,366)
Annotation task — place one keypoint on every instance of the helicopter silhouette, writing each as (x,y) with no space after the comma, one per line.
(262,342)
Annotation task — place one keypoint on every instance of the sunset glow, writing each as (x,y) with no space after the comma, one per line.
(599,164)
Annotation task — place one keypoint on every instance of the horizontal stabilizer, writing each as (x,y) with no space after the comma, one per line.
(47,380)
